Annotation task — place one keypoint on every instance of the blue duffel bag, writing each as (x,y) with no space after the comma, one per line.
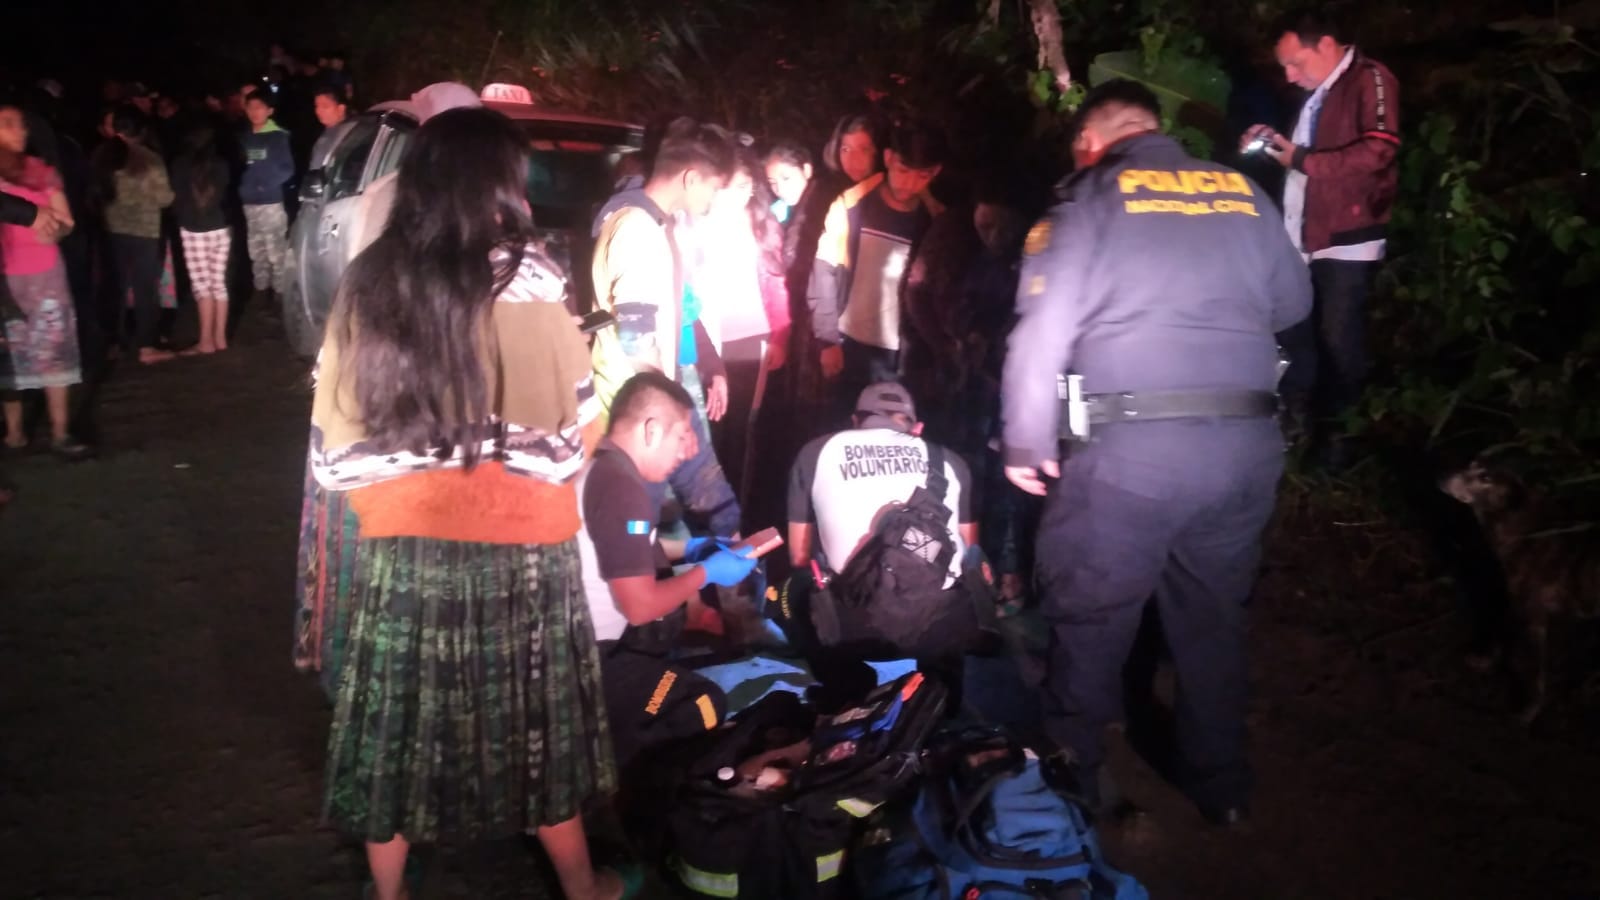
(985,825)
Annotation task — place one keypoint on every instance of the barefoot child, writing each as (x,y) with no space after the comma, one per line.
(200,181)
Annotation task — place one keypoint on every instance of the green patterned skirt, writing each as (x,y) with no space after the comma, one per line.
(326,569)
(469,702)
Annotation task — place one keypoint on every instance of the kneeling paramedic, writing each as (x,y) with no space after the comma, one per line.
(899,573)
(638,615)
(1148,301)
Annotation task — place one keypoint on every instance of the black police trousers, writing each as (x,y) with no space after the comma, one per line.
(1172,513)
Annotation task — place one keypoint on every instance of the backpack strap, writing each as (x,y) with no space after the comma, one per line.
(969,807)
(941,873)
(938,484)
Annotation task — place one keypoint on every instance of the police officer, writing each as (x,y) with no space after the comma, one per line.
(1153,288)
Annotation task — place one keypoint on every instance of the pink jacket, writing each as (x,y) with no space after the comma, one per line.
(22,251)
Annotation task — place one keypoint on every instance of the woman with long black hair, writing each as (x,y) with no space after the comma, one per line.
(454,405)
(200,183)
(855,149)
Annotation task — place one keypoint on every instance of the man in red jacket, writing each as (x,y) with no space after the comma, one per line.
(1343,167)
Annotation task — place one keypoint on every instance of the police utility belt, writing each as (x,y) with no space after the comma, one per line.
(1081,411)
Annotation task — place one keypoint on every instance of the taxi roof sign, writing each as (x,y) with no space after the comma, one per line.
(506,93)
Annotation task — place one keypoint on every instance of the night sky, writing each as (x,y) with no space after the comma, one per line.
(173,45)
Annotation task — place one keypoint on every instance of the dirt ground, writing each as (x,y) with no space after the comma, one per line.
(159,744)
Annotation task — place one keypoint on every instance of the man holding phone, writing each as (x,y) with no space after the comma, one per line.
(637,612)
(1342,162)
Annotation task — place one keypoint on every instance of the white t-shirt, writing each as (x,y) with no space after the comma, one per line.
(722,262)
(842,482)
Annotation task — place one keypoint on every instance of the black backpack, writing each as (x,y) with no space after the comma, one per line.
(891,597)
(729,841)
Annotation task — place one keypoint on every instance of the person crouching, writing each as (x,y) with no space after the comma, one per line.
(637,614)
(884,541)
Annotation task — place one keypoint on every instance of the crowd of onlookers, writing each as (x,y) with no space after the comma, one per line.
(146,201)
(486,580)
(487,584)
(479,467)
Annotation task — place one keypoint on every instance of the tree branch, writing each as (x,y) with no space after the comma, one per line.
(1047,28)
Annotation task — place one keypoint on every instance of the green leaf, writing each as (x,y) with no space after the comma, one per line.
(1444,415)
(1072,98)
(1553,88)
(1499,251)
(1039,84)
(1176,80)
(1562,236)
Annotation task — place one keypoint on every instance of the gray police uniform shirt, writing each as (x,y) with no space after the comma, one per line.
(1155,271)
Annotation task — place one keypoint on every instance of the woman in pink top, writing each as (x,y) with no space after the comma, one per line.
(736,269)
(41,332)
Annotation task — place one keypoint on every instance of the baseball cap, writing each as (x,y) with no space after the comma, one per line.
(881,402)
(441,96)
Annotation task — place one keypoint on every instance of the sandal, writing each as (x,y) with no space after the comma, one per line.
(70,449)
(631,876)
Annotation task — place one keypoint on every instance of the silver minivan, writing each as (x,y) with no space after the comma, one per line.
(572,159)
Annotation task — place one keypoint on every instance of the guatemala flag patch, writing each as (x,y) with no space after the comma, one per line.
(638,526)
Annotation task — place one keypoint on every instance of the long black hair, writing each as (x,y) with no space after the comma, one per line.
(869,124)
(115,155)
(763,223)
(413,309)
(200,155)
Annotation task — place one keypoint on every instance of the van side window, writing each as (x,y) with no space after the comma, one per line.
(396,137)
(349,159)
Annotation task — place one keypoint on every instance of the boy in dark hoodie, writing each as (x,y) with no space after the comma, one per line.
(269,165)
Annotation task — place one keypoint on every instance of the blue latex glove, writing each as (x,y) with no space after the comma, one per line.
(729,567)
(698,548)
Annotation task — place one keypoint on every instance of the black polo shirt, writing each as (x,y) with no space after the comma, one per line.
(618,539)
